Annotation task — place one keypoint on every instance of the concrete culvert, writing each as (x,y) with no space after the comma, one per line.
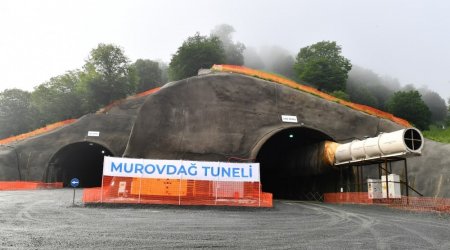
(293,166)
(83,160)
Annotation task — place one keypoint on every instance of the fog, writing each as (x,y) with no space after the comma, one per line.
(405,40)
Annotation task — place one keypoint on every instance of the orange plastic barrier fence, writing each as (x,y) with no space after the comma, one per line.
(36,132)
(347,197)
(28,185)
(407,203)
(177,192)
(311,90)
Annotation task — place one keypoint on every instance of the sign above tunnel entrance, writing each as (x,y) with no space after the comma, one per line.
(289,118)
(181,169)
(94,133)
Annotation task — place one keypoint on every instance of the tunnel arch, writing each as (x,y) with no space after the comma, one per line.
(83,160)
(291,162)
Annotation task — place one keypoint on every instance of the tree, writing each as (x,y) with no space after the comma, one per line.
(436,105)
(148,73)
(196,52)
(16,113)
(58,99)
(341,95)
(107,76)
(278,60)
(410,106)
(252,59)
(164,72)
(366,87)
(322,65)
(233,51)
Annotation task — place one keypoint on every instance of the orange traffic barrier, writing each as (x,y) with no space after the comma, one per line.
(28,185)
(441,205)
(308,89)
(177,192)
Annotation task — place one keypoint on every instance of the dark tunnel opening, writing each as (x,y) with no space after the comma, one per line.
(292,165)
(82,160)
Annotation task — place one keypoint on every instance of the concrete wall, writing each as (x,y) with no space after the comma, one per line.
(213,117)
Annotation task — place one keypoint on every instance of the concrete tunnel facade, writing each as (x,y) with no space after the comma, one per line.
(219,117)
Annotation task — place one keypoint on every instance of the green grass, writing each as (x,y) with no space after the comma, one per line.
(438,134)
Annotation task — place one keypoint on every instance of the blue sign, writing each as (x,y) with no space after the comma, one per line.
(74,182)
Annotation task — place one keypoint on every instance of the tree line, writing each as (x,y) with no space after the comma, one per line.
(108,75)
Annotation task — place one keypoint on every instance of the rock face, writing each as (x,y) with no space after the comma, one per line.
(223,117)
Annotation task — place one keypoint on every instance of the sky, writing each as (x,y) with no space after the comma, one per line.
(408,40)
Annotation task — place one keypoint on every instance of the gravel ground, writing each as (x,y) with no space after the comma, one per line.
(46,219)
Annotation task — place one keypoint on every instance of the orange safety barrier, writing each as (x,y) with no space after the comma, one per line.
(36,132)
(177,192)
(347,197)
(408,203)
(28,185)
(308,89)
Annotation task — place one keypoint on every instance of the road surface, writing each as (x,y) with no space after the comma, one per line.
(46,219)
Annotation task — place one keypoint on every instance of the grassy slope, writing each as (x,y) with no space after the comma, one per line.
(438,134)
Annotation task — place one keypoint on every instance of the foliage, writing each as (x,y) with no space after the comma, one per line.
(58,99)
(341,95)
(106,76)
(164,72)
(252,59)
(196,52)
(233,51)
(16,112)
(409,105)
(438,133)
(436,105)
(362,95)
(148,73)
(322,65)
(366,87)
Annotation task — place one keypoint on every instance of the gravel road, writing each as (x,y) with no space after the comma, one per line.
(46,219)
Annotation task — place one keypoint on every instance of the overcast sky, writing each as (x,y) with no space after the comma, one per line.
(408,40)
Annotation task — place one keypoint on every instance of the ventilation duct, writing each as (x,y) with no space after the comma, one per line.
(402,143)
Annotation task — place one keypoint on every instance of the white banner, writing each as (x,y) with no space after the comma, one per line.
(180,169)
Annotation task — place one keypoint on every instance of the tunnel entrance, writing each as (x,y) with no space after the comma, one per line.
(83,160)
(292,165)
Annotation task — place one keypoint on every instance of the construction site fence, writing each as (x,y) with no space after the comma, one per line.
(433,204)
(28,185)
(131,190)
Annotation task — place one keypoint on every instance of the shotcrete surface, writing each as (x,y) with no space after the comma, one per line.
(46,219)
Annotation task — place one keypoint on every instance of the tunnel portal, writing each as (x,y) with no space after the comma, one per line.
(292,165)
(83,160)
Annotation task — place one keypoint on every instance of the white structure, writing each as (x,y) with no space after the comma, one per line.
(393,185)
(374,189)
(403,143)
